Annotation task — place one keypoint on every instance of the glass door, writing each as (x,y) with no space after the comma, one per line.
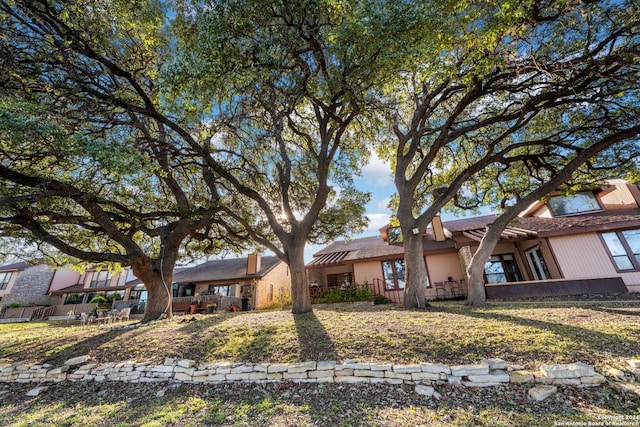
(537,264)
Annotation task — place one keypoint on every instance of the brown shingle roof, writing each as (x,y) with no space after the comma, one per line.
(600,221)
(367,248)
(16,266)
(225,270)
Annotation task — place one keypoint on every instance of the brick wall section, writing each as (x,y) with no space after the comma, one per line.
(488,373)
(31,286)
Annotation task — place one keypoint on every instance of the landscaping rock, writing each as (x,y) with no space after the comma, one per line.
(495,364)
(77,360)
(465,370)
(36,391)
(540,393)
(630,388)
(424,390)
(572,370)
(634,363)
(616,374)
(494,377)
(521,377)
(186,363)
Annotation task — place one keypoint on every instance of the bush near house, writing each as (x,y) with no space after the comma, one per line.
(351,293)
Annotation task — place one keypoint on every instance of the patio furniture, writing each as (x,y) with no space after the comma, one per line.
(124,313)
(107,317)
(441,288)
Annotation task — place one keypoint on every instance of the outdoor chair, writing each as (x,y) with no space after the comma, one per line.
(124,313)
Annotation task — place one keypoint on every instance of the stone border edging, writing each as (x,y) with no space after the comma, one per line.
(490,372)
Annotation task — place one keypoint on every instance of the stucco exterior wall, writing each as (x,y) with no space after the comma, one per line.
(280,278)
(621,198)
(442,266)
(367,271)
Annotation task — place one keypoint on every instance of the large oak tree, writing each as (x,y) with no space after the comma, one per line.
(507,84)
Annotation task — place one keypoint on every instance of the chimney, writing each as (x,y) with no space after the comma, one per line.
(438,230)
(253,263)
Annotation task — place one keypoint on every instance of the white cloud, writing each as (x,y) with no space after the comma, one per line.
(383,205)
(376,221)
(377,171)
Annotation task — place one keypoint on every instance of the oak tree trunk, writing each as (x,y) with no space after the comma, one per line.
(415,291)
(300,296)
(157,278)
(475,272)
(158,299)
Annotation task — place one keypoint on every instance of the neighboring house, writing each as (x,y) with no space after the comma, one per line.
(95,282)
(585,243)
(28,284)
(254,282)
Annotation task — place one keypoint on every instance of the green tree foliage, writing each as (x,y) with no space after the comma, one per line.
(186,121)
(511,85)
(93,161)
(295,133)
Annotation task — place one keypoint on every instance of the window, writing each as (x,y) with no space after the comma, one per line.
(395,235)
(340,280)
(5,277)
(271,292)
(221,290)
(394,274)
(100,279)
(578,203)
(501,269)
(624,248)
(537,264)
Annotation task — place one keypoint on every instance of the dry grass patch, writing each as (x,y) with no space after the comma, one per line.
(447,333)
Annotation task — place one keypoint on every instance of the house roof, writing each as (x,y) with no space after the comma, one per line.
(16,266)
(466,224)
(346,252)
(600,221)
(225,270)
(79,288)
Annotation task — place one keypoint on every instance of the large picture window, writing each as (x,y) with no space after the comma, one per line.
(501,269)
(394,274)
(100,279)
(4,279)
(574,204)
(624,248)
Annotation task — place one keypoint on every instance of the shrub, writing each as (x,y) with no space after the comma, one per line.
(381,299)
(14,305)
(350,293)
(99,299)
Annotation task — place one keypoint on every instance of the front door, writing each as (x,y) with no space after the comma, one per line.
(537,264)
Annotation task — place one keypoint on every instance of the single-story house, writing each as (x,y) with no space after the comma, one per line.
(253,282)
(584,243)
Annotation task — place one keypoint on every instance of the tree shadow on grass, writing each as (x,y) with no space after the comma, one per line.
(315,342)
(617,311)
(57,349)
(590,343)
